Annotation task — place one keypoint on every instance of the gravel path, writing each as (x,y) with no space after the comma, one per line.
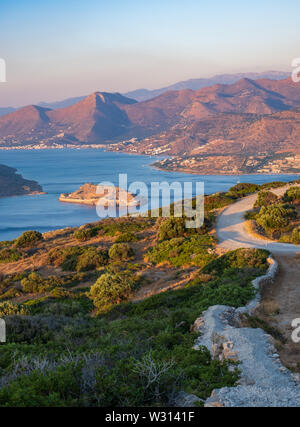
(233,234)
(264,381)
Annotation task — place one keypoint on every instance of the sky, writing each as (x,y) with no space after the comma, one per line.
(55,49)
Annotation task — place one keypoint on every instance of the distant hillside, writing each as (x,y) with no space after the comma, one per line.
(13,184)
(145,94)
(247,117)
(4,111)
(196,84)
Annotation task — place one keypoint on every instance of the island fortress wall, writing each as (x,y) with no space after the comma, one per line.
(264,381)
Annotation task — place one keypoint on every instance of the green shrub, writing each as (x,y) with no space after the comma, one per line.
(85,234)
(112,289)
(10,309)
(240,258)
(265,198)
(10,293)
(66,258)
(28,238)
(275,219)
(91,258)
(251,215)
(292,195)
(78,258)
(9,255)
(296,236)
(34,283)
(273,185)
(120,252)
(59,293)
(217,201)
(126,238)
(171,228)
(196,250)
(242,190)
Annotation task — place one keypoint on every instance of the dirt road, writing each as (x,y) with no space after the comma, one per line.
(233,233)
(285,292)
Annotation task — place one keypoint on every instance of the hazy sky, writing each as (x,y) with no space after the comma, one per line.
(60,48)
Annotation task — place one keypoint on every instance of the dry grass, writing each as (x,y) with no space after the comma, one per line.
(270,308)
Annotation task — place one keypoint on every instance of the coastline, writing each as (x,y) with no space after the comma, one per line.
(193,172)
(107,147)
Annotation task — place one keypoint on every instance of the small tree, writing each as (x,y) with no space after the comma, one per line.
(275,219)
(265,198)
(171,228)
(120,252)
(292,194)
(29,238)
(112,289)
(85,234)
(91,259)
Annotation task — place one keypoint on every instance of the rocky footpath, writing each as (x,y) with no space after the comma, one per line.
(264,381)
(13,184)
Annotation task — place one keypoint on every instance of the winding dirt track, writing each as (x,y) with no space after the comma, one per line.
(233,233)
(285,292)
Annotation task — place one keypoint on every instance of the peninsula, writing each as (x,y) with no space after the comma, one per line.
(13,184)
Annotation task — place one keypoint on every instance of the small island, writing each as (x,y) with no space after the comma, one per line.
(90,194)
(13,184)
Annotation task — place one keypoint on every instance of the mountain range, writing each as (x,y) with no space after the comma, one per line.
(196,84)
(246,117)
(145,94)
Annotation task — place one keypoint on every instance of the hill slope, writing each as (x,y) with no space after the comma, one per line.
(12,184)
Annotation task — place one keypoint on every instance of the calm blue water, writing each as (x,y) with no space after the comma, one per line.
(63,171)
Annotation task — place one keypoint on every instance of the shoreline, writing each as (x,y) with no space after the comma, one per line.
(193,172)
(107,148)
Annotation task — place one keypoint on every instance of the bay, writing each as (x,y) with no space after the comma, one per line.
(64,171)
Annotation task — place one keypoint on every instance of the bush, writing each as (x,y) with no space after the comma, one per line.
(265,198)
(120,252)
(78,258)
(10,309)
(9,255)
(273,185)
(10,293)
(91,258)
(240,258)
(65,258)
(29,238)
(296,236)
(85,234)
(217,201)
(196,250)
(112,289)
(242,190)
(251,215)
(292,195)
(34,283)
(126,237)
(275,219)
(171,228)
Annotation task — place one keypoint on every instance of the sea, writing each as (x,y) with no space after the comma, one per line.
(65,170)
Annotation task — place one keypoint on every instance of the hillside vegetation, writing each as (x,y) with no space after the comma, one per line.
(81,331)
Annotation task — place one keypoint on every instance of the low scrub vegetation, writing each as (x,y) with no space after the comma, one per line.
(78,339)
(28,238)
